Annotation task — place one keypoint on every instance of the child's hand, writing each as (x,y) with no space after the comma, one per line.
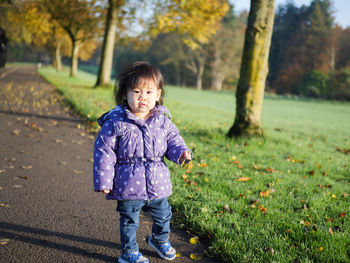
(185,156)
(106,191)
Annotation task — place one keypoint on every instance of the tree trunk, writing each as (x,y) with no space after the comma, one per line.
(75,56)
(216,71)
(216,82)
(254,69)
(58,56)
(105,68)
(200,71)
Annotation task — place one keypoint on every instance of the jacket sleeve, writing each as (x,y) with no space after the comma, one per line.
(105,157)
(176,144)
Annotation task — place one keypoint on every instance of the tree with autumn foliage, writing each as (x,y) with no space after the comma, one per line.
(254,69)
(79,19)
(195,21)
(27,22)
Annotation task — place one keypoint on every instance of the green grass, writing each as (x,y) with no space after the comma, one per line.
(296,163)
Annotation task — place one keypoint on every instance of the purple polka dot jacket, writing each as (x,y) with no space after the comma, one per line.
(129,154)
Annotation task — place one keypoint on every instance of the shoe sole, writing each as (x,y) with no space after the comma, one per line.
(120,260)
(150,244)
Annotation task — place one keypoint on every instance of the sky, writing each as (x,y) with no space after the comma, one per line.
(341,8)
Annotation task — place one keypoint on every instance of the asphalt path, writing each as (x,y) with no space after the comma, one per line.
(48,210)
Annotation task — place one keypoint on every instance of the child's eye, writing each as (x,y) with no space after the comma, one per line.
(149,92)
(136,91)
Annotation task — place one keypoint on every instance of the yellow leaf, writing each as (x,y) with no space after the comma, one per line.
(204,209)
(203,165)
(243,179)
(4,241)
(178,255)
(194,240)
(27,167)
(334,196)
(206,179)
(195,256)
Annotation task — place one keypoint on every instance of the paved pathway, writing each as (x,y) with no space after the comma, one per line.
(48,210)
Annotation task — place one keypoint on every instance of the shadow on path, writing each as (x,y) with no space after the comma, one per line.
(24,114)
(7,231)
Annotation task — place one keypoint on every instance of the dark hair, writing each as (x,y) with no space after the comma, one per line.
(135,75)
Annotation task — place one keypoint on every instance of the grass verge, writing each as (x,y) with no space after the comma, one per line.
(281,198)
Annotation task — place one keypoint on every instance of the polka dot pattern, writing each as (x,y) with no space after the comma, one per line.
(129,152)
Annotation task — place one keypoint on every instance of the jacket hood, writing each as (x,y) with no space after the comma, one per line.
(115,113)
(119,112)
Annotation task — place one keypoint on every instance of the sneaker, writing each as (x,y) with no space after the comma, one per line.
(164,250)
(135,257)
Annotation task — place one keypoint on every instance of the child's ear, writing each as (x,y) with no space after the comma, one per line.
(159,93)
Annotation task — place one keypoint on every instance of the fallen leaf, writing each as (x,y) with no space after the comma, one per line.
(4,205)
(91,251)
(269,170)
(26,167)
(24,177)
(243,179)
(178,255)
(204,209)
(194,240)
(342,214)
(345,151)
(16,132)
(195,256)
(226,208)
(265,193)
(77,172)
(269,250)
(203,165)
(4,241)
(330,231)
(262,209)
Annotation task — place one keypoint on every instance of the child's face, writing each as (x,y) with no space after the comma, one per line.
(142,99)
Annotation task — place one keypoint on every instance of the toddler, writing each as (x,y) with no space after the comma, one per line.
(129,159)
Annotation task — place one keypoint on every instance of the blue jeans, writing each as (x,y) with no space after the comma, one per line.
(129,211)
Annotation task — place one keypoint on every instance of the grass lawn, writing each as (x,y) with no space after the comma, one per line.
(281,198)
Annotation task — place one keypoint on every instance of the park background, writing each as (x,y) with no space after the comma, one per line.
(282,197)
